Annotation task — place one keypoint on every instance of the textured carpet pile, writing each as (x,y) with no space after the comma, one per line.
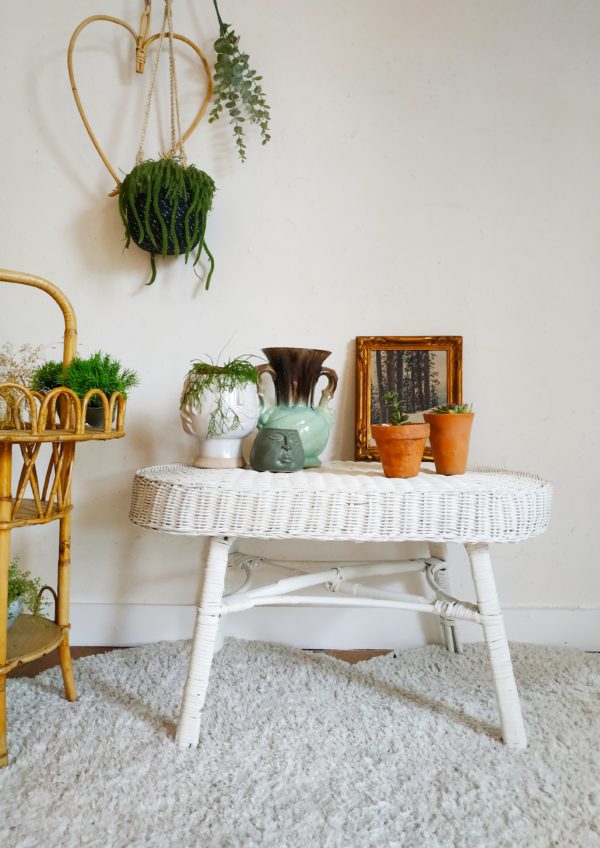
(302,750)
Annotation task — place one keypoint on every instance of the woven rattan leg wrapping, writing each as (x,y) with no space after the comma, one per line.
(511,720)
(203,643)
(450,635)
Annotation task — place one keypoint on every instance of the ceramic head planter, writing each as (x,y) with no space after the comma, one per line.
(219,407)
(277,450)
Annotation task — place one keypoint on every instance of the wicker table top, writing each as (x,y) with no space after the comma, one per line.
(349,501)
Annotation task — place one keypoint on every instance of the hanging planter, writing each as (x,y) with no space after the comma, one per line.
(164,206)
(163,203)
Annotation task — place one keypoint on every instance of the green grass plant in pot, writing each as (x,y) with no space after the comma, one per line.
(401,443)
(48,376)
(99,371)
(450,436)
(219,407)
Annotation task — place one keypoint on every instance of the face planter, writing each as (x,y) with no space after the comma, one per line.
(238,415)
(277,450)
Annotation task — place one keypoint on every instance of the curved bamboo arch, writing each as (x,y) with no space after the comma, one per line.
(70,336)
(142,43)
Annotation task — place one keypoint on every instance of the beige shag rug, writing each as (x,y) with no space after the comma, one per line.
(303,750)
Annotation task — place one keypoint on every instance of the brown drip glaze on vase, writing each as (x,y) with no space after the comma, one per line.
(295,371)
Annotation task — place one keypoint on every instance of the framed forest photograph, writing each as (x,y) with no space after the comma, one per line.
(425,371)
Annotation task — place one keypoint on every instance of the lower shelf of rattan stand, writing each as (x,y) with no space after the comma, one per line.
(28,514)
(30,637)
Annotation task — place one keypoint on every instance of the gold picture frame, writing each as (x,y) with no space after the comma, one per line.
(421,381)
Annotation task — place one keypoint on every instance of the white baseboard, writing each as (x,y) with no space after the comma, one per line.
(135,624)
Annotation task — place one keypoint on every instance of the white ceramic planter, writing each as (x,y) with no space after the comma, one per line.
(224,450)
(14,609)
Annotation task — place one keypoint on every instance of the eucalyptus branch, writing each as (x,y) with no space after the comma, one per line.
(237,88)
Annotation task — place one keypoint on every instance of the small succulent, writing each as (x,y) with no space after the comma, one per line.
(453,409)
(237,88)
(397,414)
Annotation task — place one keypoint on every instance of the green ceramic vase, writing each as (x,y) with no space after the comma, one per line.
(295,371)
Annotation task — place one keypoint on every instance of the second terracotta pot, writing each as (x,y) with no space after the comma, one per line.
(450,436)
(401,447)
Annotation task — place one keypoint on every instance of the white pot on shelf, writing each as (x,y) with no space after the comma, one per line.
(14,608)
(229,417)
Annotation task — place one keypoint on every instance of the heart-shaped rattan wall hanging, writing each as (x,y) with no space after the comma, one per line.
(164,204)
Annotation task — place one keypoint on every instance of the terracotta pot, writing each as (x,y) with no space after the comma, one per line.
(401,447)
(449,437)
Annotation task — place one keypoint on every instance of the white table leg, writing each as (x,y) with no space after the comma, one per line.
(203,643)
(509,707)
(450,634)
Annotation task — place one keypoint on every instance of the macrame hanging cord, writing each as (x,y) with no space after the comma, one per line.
(177,150)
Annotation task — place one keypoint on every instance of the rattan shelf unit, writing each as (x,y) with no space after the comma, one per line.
(37,450)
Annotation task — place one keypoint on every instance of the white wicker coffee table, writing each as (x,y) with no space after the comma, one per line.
(346,501)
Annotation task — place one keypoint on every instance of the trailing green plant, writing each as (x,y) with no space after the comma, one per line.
(99,371)
(22,585)
(47,376)
(164,206)
(217,379)
(237,87)
(453,409)
(397,414)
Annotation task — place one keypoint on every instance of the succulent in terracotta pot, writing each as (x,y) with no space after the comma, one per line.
(450,434)
(401,443)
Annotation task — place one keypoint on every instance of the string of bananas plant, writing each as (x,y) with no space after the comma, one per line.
(164,207)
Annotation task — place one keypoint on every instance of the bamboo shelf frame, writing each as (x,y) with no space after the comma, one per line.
(42,431)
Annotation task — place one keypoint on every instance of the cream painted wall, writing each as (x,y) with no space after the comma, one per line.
(433,170)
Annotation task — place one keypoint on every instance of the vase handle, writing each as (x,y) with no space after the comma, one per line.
(263,369)
(329,390)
